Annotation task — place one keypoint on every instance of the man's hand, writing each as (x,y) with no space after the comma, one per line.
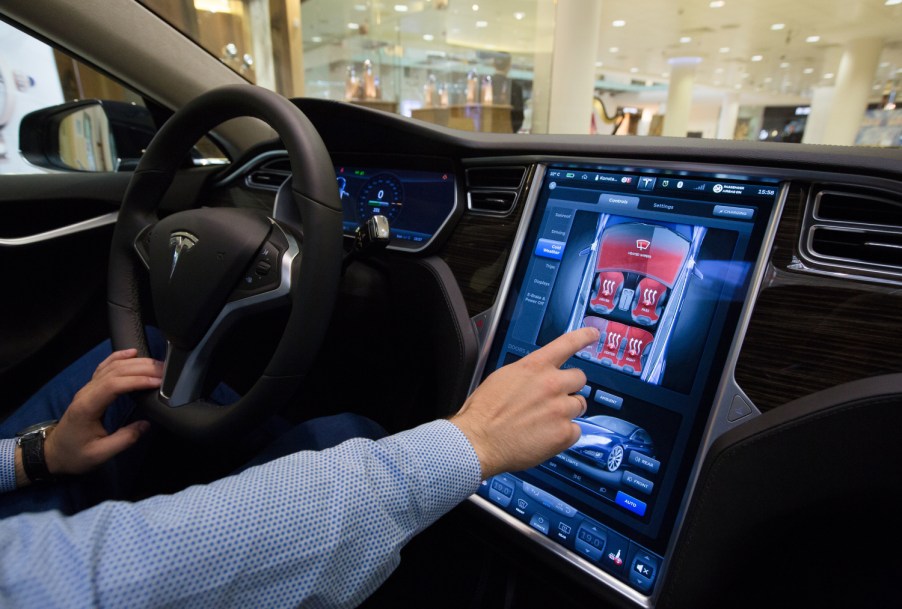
(522,413)
(79,442)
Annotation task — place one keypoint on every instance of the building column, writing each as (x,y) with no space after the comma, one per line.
(288,45)
(679,96)
(729,113)
(819,117)
(572,83)
(853,87)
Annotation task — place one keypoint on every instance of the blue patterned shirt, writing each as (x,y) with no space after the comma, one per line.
(7,465)
(313,529)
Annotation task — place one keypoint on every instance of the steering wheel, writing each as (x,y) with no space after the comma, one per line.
(208,267)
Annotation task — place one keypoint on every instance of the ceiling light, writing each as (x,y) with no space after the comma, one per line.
(482,24)
(784,65)
(724,49)
(400,8)
(884,64)
(360,7)
(828,75)
(618,23)
(519,16)
(428,37)
(892,2)
(598,64)
(716,3)
(353,26)
(614,50)
(685,39)
(778,26)
(316,39)
(634,70)
(812,39)
(475,7)
(808,70)
(757,57)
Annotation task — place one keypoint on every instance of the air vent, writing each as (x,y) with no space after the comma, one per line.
(495,177)
(494,190)
(832,205)
(270,175)
(493,201)
(854,231)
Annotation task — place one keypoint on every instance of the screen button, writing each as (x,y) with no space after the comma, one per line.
(548,500)
(615,553)
(616,201)
(643,571)
(609,399)
(638,482)
(548,248)
(539,523)
(500,491)
(646,183)
(630,503)
(590,541)
(644,461)
(737,213)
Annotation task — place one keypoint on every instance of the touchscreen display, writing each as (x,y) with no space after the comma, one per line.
(416,203)
(660,264)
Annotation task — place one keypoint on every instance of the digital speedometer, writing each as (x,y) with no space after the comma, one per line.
(382,195)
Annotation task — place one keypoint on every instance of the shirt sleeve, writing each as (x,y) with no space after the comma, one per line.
(7,466)
(313,529)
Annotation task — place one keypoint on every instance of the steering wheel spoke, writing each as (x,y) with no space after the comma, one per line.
(142,245)
(184,372)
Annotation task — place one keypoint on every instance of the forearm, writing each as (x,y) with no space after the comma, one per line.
(320,529)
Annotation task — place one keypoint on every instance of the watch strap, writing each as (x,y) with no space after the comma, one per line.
(33,457)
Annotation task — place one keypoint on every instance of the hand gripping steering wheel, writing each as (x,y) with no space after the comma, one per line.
(208,267)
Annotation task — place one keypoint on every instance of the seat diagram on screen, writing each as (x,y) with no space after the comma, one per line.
(635,278)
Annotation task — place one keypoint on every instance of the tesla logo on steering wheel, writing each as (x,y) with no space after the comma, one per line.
(180,242)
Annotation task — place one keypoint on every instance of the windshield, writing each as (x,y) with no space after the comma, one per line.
(811,72)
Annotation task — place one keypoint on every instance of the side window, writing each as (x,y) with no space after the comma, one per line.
(34,76)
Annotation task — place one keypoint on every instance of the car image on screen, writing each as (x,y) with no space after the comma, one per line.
(605,440)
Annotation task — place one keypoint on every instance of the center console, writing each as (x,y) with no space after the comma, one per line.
(664,261)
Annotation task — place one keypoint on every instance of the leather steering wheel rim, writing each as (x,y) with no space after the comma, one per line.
(313,273)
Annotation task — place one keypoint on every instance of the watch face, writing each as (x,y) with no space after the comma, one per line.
(36,427)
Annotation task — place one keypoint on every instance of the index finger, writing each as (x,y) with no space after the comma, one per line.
(566,345)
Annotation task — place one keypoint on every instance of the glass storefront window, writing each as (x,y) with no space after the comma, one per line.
(715,69)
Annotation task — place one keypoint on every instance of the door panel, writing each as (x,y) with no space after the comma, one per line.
(55,232)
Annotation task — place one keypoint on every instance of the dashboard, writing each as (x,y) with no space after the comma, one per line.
(724,283)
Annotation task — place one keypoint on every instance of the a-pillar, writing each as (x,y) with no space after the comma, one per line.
(679,95)
(853,87)
(572,86)
(729,113)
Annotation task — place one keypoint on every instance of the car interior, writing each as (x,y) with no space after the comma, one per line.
(740,447)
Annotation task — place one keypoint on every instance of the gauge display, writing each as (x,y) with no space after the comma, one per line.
(382,195)
(416,203)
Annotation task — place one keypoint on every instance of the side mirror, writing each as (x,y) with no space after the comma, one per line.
(88,135)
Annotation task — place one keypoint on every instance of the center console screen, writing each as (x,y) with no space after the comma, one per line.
(660,261)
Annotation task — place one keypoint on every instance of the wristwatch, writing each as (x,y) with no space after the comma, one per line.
(31,441)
